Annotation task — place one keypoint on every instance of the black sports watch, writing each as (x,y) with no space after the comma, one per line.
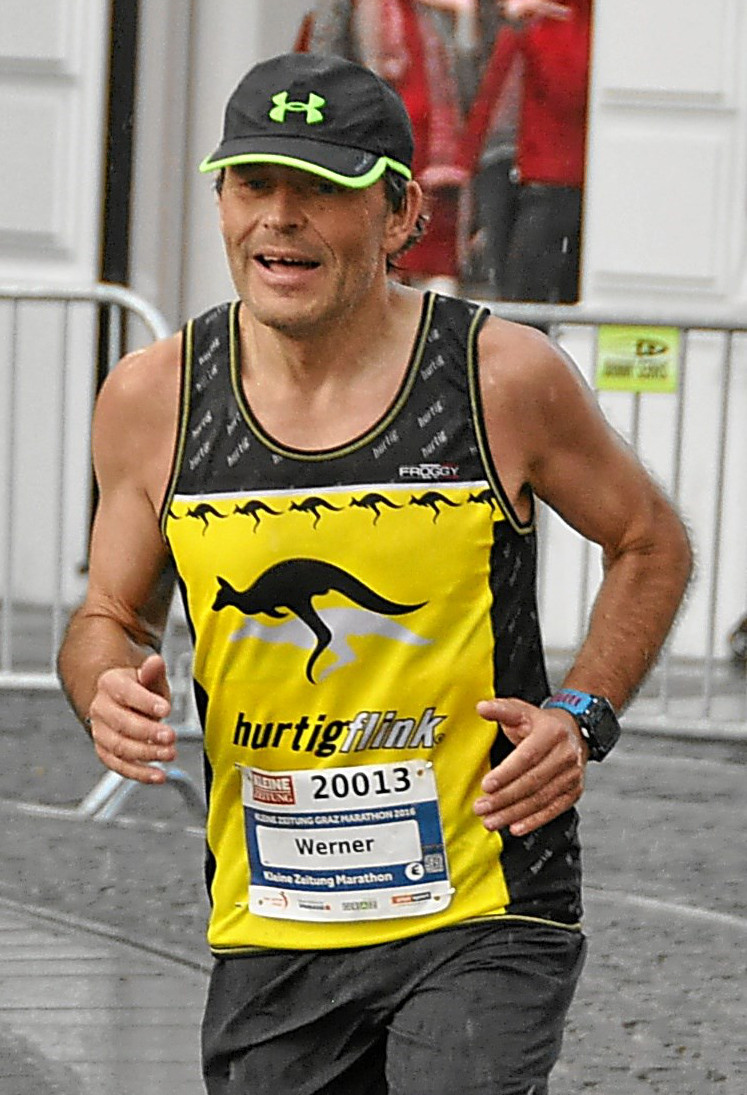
(595,716)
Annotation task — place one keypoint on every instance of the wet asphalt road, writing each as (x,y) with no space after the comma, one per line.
(662,1006)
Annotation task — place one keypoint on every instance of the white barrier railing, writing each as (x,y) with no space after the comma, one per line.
(53,342)
(50,341)
(693,439)
(695,443)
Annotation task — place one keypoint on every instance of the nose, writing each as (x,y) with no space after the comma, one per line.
(283,208)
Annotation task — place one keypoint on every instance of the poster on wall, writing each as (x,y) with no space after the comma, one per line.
(637,359)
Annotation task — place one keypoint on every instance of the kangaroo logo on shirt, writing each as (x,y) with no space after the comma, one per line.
(483,498)
(289,588)
(313,505)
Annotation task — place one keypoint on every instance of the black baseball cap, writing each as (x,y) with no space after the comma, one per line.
(321,114)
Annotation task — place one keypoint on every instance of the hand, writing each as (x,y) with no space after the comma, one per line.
(542,777)
(522,11)
(125,719)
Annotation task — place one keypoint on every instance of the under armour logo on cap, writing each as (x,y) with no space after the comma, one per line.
(310,107)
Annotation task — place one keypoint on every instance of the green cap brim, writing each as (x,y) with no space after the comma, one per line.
(359,182)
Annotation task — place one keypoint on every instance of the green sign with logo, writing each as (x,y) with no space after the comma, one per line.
(637,359)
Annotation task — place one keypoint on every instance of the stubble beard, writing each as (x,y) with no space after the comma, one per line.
(311,317)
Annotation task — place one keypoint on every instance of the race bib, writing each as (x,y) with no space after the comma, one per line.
(362,843)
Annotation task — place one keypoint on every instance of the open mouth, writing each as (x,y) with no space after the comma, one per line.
(282,262)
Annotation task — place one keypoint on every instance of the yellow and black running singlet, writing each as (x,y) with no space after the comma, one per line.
(349,608)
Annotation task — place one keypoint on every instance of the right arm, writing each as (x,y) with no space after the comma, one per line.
(108,663)
(521,11)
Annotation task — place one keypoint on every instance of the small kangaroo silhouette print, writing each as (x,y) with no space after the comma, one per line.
(313,505)
(201,512)
(255,509)
(484,498)
(433,499)
(372,502)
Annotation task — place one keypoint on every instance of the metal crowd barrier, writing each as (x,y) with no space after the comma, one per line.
(61,322)
(695,443)
(693,690)
(68,330)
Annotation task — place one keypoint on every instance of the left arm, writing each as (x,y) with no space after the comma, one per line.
(547,432)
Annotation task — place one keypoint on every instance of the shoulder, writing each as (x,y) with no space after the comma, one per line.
(517,362)
(534,398)
(143,382)
(136,416)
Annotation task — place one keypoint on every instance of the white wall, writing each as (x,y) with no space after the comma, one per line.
(162,120)
(53,57)
(665,202)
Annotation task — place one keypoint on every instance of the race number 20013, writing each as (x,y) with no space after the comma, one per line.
(342,843)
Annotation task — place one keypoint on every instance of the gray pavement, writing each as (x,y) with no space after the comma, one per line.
(662,1005)
(82,1013)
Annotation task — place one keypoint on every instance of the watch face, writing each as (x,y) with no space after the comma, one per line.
(602,726)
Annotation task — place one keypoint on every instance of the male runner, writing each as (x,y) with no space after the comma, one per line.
(343,472)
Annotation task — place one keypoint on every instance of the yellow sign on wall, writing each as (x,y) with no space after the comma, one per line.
(637,359)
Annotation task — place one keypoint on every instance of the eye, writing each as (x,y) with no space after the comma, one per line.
(326,187)
(254,183)
(250,179)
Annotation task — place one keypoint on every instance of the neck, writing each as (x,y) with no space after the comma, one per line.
(345,346)
(323,390)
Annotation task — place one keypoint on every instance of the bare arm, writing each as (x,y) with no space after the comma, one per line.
(108,665)
(594,481)
(522,11)
(548,435)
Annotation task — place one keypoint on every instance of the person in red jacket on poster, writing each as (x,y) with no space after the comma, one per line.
(405,43)
(552,41)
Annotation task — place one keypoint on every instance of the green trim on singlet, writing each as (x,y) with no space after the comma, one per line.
(184,411)
(523,528)
(358,443)
(524,919)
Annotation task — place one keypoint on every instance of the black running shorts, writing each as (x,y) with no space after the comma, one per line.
(476,1009)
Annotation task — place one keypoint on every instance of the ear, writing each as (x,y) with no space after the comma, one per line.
(401,223)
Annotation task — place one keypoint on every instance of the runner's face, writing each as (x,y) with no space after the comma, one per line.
(302,251)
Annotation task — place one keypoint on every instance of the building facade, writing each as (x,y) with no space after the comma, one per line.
(665,214)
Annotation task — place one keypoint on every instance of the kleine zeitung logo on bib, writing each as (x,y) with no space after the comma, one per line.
(277,790)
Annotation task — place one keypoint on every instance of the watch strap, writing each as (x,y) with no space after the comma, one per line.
(595,717)
(570,699)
